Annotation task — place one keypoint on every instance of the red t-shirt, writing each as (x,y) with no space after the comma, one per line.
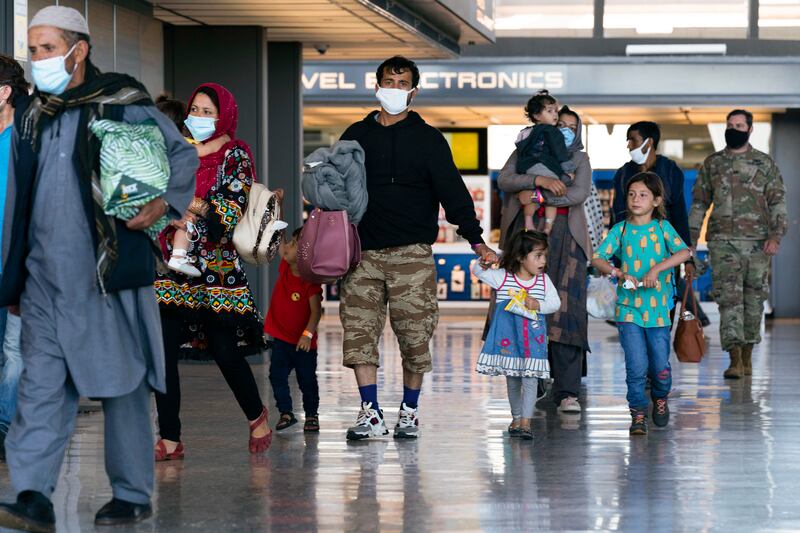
(289,309)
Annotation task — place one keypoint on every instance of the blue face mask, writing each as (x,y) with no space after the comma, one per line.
(201,128)
(569,136)
(50,75)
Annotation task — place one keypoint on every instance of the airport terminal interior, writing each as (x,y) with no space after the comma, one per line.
(302,71)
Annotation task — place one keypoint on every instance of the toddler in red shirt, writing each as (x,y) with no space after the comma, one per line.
(292,320)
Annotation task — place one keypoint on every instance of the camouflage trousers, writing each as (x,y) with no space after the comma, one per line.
(404,279)
(740,271)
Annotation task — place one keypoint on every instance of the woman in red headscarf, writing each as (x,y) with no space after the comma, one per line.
(215,310)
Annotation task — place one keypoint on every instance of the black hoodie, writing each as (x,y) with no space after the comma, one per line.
(410,171)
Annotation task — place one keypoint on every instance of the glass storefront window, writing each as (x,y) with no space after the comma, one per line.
(779,19)
(544,18)
(721,19)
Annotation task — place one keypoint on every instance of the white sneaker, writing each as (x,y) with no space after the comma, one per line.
(407,423)
(182,264)
(368,424)
(569,405)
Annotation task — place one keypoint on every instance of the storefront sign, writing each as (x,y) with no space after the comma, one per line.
(585,82)
(343,80)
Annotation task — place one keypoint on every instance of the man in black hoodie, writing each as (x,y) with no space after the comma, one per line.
(410,171)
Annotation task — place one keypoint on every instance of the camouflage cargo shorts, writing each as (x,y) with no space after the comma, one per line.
(404,279)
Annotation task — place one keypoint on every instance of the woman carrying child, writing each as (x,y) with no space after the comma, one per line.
(649,249)
(516,345)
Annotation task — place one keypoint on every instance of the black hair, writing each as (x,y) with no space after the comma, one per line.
(211,93)
(172,109)
(648,130)
(11,74)
(398,65)
(296,233)
(520,244)
(565,110)
(537,103)
(653,182)
(748,116)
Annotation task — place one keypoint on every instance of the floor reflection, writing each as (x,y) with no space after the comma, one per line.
(727,461)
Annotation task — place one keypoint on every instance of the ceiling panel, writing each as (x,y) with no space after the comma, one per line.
(351,28)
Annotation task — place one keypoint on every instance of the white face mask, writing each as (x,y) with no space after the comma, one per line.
(639,156)
(393,101)
(50,75)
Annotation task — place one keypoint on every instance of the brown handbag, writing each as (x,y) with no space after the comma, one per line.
(689,344)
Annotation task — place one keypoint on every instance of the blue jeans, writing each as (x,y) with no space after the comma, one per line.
(646,352)
(286,357)
(12,368)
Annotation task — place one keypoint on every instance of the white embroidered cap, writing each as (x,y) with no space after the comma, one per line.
(61,17)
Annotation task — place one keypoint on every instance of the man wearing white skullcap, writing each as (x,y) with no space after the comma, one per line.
(83,280)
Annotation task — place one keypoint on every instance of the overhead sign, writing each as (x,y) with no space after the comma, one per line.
(499,81)
(354,81)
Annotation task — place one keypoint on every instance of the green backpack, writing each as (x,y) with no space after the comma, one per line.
(134,168)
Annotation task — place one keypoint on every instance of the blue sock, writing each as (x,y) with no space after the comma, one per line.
(411,397)
(369,393)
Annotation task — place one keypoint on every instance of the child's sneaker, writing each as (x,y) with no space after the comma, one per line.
(660,412)
(638,422)
(183,264)
(407,423)
(368,424)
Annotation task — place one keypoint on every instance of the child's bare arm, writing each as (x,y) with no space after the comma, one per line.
(315,303)
(208,148)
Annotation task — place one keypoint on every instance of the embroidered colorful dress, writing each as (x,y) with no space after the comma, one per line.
(221,294)
(517,346)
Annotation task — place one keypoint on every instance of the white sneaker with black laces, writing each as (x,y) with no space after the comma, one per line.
(407,423)
(368,424)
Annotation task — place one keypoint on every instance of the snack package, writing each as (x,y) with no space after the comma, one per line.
(516,305)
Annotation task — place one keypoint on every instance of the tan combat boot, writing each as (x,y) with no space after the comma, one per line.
(747,359)
(736,370)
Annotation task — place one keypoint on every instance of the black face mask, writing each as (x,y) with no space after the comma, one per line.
(735,138)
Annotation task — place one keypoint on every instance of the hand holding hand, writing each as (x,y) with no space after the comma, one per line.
(488,257)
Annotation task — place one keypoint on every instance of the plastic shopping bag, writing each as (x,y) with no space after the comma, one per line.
(601,298)
(516,305)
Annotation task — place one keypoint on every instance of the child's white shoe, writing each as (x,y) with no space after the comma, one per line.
(279,225)
(182,264)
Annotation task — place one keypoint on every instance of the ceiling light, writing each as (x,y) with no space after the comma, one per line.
(675,49)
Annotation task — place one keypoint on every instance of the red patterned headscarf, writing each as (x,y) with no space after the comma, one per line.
(226,125)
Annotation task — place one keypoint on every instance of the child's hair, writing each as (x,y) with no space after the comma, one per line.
(520,245)
(653,182)
(296,233)
(172,109)
(537,103)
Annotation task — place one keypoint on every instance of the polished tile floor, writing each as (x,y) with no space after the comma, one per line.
(728,461)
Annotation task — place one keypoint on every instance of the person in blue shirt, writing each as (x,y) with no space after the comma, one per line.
(12,87)
(643,138)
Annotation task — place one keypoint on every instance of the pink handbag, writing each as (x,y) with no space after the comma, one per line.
(328,247)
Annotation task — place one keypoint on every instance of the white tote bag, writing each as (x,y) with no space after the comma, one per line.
(259,232)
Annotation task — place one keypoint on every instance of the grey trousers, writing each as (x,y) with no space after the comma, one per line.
(40,433)
(521,396)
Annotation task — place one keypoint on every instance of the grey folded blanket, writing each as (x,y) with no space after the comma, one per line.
(335,179)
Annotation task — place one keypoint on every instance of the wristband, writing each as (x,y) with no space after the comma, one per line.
(308,334)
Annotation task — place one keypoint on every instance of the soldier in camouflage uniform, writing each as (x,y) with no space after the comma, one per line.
(410,171)
(745,228)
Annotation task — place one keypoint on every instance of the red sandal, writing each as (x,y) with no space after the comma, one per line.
(163,455)
(260,444)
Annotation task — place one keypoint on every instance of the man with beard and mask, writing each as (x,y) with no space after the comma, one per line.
(410,171)
(643,139)
(83,280)
(745,229)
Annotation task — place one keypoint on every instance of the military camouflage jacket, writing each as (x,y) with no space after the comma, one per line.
(747,193)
